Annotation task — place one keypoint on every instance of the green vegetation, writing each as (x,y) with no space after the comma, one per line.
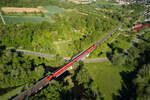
(110,78)
(21,70)
(16,69)
(47,13)
(28,3)
(26,19)
(136,82)
(121,39)
(74,28)
(107,77)
(80,86)
(21,14)
(11,93)
(81,29)
(142,83)
(53,9)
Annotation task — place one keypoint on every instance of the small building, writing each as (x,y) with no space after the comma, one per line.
(122,2)
(147,19)
(82,1)
(87,0)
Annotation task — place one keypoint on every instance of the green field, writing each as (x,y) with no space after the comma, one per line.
(53,9)
(107,77)
(100,3)
(25,19)
(11,93)
(50,11)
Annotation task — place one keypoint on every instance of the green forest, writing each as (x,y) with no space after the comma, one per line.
(126,76)
(79,29)
(136,82)
(18,70)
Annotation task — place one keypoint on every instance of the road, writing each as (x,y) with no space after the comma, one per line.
(2,18)
(34,53)
(86,60)
(51,56)
(135,41)
(138,37)
(67,58)
(95,60)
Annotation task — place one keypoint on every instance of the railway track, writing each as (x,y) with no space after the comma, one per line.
(108,35)
(40,84)
(35,88)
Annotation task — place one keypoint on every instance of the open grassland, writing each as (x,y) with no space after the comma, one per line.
(107,77)
(100,3)
(51,10)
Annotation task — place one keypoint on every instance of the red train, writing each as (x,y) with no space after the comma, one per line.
(140,27)
(77,58)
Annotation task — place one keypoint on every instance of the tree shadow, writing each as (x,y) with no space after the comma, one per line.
(2,47)
(79,92)
(109,55)
(128,90)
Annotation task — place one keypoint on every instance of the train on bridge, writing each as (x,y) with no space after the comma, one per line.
(39,85)
(77,58)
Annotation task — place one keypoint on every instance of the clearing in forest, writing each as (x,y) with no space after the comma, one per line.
(107,77)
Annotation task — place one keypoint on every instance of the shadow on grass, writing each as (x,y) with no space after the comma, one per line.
(128,91)
(79,92)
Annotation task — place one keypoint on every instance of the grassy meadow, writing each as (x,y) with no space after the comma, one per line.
(107,77)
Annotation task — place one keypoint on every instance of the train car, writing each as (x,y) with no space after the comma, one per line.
(140,27)
(136,25)
(84,52)
(74,59)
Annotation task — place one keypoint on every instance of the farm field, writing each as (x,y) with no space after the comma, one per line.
(19,10)
(53,9)
(46,13)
